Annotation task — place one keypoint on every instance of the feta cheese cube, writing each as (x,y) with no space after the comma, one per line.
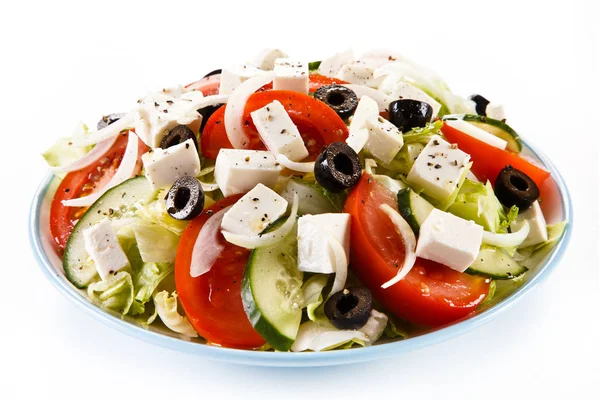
(265,60)
(477,133)
(238,171)
(278,132)
(291,75)
(438,168)
(358,132)
(360,74)
(538,230)
(404,90)
(495,111)
(385,140)
(103,246)
(332,65)
(315,233)
(256,210)
(449,240)
(164,166)
(234,76)
(158,113)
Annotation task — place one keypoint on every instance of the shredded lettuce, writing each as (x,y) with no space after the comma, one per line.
(312,292)
(63,152)
(314,199)
(147,279)
(532,256)
(116,293)
(166,307)
(477,202)
(396,328)
(156,211)
(156,243)
(423,135)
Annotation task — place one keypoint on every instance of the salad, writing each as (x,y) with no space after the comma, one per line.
(298,206)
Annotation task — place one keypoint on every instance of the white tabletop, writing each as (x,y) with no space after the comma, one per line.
(62,63)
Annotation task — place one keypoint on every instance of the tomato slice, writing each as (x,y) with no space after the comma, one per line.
(83,183)
(208,86)
(488,160)
(431,294)
(318,124)
(315,81)
(213,301)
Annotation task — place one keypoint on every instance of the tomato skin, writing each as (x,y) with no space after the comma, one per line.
(213,301)
(488,160)
(318,123)
(208,86)
(83,182)
(315,81)
(431,294)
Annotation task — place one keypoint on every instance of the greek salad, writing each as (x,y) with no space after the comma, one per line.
(289,205)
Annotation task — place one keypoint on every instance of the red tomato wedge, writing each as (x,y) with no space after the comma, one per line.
(213,301)
(208,86)
(488,160)
(315,81)
(431,294)
(318,124)
(83,183)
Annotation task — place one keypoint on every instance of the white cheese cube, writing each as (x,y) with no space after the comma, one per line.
(385,139)
(495,111)
(291,75)
(358,134)
(332,65)
(449,240)
(278,132)
(477,133)
(404,90)
(360,74)
(538,230)
(265,60)
(315,233)
(438,168)
(238,171)
(256,210)
(164,166)
(233,77)
(158,113)
(103,246)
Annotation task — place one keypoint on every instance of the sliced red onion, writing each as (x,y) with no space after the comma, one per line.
(234,113)
(204,83)
(410,242)
(207,248)
(112,130)
(124,172)
(295,166)
(94,155)
(267,239)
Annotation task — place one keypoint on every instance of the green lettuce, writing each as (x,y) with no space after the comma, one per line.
(312,292)
(155,211)
(155,242)
(532,256)
(314,199)
(166,306)
(477,202)
(147,279)
(116,293)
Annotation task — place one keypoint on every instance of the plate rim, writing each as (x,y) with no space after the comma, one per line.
(305,359)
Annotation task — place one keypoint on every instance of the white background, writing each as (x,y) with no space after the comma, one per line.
(62,62)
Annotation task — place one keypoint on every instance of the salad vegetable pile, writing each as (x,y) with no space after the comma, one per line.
(293,206)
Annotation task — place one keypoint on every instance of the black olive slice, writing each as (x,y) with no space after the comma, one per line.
(481,103)
(185,199)
(338,167)
(515,188)
(178,135)
(211,73)
(407,114)
(109,119)
(350,308)
(341,99)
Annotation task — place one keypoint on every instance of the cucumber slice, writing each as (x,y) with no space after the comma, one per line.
(495,263)
(272,291)
(79,269)
(413,208)
(493,126)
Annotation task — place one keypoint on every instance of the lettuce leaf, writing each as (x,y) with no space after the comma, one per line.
(155,211)
(166,307)
(156,243)
(312,291)
(532,256)
(115,293)
(314,199)
(63,152)
(477,202)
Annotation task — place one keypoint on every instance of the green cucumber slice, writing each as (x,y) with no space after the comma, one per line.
(495,263)
(272,291)
(116,202)
(413,208)
(495,127)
